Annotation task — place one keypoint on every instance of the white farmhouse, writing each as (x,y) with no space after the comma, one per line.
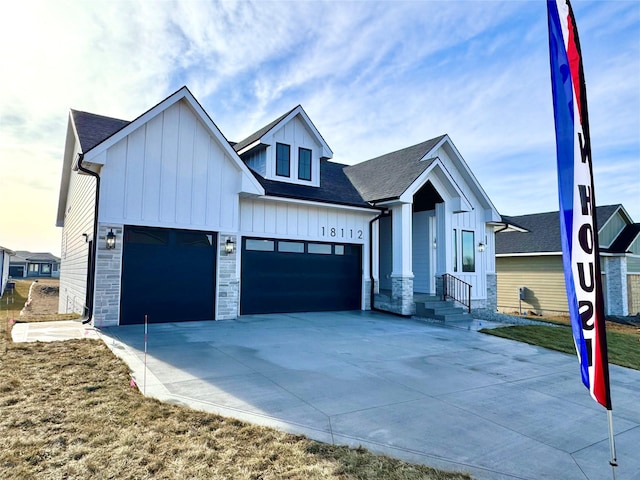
(163,217)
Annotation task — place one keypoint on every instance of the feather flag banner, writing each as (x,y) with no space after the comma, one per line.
(580,251)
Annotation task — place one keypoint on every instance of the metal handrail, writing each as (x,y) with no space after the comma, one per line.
(456,289)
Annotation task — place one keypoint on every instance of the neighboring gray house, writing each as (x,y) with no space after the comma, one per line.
(162,216)
(531,260)
(34,265)
(5,254)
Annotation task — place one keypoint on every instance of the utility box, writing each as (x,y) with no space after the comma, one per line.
(521,293)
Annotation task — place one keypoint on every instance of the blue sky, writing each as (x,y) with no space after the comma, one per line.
(373,76)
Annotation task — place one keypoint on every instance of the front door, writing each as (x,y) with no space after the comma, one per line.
(423,251)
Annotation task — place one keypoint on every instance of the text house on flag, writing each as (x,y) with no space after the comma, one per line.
(577,203)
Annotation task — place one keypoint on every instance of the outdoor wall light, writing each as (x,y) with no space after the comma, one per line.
(111,240)
(229,247)
(481,247)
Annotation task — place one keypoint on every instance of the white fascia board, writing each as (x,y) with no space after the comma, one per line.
(462,205)
(532,254)
(249,147)
(625,215)
(135,124)
(505,227)
(251,184)
(68,163)
(611,254)
(471,178)
(371,211)
(391,203)
(268,137)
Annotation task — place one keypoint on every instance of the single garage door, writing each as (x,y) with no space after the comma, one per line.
(280,276)
(168,275)
(16,271)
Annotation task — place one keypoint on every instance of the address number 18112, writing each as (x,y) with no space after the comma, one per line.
(341,232)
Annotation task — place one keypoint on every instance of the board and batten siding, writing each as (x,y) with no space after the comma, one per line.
(284,219)
(543,279)
(78,220)
(295,134)
(269,218)
(171,172)
(484,261)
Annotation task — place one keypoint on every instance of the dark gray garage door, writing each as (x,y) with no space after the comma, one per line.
(16,271)
(281,276)
(168,275)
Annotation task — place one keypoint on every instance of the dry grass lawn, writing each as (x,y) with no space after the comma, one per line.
(69,412)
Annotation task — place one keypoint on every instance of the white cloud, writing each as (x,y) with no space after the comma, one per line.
(373,76)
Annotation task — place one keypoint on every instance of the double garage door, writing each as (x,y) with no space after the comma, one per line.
(170,275)
(280,276)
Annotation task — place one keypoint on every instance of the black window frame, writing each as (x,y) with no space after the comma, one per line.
(465,265)
(300,150)
(455,250)
(281,162)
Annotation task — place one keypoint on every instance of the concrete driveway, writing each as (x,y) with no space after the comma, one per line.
(446,397)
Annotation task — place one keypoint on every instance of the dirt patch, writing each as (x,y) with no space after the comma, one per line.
(44,302)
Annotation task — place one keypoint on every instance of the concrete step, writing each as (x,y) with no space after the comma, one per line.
(453,317)
(441,310)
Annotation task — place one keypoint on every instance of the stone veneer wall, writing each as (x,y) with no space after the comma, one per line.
(491,303)
(367,294)
(228,283)
(106,305)
(401,301)
(617,296)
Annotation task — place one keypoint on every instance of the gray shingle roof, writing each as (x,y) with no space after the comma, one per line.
(260,133)
(23,255)
(334,188)
(543,235)
(94,129)
(388,176)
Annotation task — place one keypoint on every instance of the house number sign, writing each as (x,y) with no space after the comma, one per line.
(335,232)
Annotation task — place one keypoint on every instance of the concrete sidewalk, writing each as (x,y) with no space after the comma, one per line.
(447,397)
(52,331)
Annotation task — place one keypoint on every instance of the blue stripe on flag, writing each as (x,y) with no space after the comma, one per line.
(563,107)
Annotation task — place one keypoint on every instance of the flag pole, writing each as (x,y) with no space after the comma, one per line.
(612,445)
(144,375)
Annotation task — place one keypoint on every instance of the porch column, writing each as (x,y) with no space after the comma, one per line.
(402,271)
(616,296)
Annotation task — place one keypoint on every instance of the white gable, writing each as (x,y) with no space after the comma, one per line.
(170,171)
(296,131)
(296,134)
(456,179)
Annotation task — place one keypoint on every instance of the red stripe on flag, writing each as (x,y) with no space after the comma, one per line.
(574,62)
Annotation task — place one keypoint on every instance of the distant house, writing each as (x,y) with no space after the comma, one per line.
(162,216)
(529,263)
(5,254)
(28,265)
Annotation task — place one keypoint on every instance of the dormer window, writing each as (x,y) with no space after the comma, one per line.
(304,164)
(283,160)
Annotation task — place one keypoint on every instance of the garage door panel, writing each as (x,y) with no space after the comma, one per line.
(274,281)
(168,275)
